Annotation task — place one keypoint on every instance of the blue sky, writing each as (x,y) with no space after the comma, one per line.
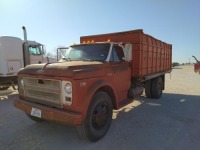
(61,22)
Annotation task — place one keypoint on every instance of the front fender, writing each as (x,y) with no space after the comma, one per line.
(93,89)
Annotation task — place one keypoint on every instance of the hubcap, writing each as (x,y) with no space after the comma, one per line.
(99,116)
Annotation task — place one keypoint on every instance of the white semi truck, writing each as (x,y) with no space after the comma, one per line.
(16,54)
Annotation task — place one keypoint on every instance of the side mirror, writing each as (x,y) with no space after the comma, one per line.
(44,50)
(61,51)
(128,52)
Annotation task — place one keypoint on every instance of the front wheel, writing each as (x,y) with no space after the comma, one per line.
(98,119)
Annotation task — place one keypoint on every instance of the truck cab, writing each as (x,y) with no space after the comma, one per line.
(33,52)
(16,54)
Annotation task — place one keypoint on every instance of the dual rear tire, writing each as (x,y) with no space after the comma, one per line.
(154,87)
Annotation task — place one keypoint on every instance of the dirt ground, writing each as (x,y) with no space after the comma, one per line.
(170,123)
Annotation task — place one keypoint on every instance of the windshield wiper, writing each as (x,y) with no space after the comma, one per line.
(67,59)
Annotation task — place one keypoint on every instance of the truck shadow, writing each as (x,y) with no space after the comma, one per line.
(168,102)
(159,124)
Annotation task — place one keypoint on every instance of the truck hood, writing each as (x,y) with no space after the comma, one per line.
(71,69)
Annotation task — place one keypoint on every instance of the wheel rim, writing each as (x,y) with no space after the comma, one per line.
(99,116)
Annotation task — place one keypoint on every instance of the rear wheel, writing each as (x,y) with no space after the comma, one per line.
(148,87)
(98,119)
(157,87)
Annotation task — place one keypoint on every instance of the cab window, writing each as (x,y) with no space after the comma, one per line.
(34,50)
(117,54)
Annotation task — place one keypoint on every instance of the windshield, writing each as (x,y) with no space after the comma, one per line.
(91,52)
(34,50)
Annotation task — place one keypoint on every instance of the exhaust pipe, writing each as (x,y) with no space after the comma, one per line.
(26,54)
(25,34)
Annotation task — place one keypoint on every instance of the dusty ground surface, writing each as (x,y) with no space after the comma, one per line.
(171,123)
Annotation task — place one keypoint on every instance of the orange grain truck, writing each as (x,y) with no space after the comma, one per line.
(103,73)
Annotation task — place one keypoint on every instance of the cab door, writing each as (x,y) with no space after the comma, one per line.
(121,72)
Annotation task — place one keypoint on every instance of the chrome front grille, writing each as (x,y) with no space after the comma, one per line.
(44,91)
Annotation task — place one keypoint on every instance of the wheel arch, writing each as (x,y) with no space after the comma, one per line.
(111,93)
(101,85)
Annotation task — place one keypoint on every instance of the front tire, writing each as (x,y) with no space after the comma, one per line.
(98,119)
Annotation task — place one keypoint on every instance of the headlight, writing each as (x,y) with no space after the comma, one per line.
(22,82)
(67,92)
(68,88)
(21,86)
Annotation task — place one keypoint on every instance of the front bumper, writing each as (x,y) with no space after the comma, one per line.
(51,114)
